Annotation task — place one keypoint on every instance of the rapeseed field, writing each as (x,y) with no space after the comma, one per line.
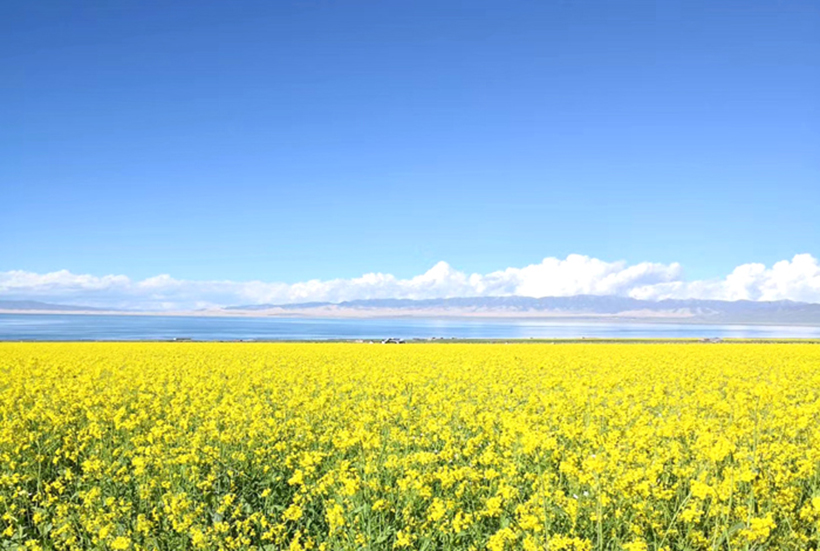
(356,446)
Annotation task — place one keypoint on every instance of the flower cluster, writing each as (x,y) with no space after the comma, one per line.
(424,446)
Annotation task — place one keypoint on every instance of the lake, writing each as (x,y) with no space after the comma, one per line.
(70,327)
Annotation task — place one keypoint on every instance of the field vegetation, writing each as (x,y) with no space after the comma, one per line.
(354,446)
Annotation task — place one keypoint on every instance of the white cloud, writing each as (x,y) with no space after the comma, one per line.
(796,279)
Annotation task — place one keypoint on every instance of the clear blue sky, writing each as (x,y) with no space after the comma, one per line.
(291,140)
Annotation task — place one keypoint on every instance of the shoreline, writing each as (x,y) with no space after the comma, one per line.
(444,341)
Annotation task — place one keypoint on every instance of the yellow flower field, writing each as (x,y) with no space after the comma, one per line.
(440,446)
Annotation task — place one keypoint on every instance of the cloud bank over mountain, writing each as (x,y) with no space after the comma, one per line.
(797,279)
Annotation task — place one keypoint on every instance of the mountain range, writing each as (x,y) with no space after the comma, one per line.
(36,306)
(579,307)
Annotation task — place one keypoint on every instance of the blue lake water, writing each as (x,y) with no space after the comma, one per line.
(68,327)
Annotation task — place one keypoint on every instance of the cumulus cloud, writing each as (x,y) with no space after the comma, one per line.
(796,279)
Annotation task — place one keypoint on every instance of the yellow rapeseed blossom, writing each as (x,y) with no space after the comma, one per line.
(439,446)
(120,543)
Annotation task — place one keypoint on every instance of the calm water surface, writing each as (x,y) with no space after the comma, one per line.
(67,327)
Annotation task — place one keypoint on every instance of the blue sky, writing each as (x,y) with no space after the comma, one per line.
(287,141)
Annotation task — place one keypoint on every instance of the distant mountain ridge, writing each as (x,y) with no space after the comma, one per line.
(37,305)
(583,306)
(578,307)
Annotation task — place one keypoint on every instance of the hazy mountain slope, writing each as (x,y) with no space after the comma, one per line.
(713,311)
(32,305)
